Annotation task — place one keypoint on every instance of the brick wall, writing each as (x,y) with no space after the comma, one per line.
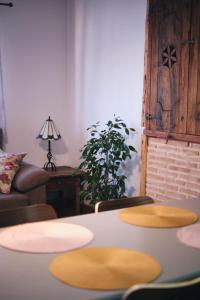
(173,170)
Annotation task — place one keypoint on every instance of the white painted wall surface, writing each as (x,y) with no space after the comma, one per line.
(78,61)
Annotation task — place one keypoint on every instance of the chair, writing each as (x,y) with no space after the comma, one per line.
(122,203)
(186,290)
(26,214)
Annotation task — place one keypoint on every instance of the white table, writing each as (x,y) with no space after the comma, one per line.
(26,276)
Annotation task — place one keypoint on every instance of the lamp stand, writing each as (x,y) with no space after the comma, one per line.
(49,165)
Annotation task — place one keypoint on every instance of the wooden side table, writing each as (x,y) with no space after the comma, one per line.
(61,181)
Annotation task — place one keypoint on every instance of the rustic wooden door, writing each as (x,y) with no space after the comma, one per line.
(193,118)
(172,98)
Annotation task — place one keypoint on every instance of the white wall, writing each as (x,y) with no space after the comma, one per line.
(78,61)
(33,42)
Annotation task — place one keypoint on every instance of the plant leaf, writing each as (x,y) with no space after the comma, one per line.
(127,131)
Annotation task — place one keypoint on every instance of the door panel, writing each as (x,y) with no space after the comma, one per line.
(193,120)
(173,65)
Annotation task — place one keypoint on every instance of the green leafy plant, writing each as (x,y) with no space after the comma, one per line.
(102,157)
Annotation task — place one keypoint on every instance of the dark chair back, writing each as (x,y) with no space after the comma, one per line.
(26,214)
(122,203)
(187,290)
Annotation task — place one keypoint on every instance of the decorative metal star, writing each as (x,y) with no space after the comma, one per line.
(169,56)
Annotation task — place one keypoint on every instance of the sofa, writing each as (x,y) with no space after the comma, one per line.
(28,186)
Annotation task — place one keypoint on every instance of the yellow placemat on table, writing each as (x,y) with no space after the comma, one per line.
(104,268)
(157,216)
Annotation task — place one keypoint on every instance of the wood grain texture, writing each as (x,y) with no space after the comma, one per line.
(172,136)
(26,214)
(146,84)
(193,120)
(122,203)
(172,71)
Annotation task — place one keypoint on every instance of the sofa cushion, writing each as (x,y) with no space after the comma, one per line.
(13,200)
(29,177)
(9,164)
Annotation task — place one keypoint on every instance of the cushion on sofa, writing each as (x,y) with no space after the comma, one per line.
(28,177)
(9,164)
(13,200)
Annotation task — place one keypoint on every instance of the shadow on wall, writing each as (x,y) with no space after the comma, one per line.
(57,147)
(131,167)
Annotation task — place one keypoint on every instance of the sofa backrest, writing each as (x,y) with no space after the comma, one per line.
(1,138)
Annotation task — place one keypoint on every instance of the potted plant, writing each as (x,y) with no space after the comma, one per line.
(102,157)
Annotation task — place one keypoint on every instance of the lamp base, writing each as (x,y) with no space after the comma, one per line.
(50,166)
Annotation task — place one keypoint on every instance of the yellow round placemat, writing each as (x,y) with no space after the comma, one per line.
(104,268)
(158,216)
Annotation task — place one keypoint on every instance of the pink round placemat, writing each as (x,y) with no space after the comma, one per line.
(45,237)
(190,235)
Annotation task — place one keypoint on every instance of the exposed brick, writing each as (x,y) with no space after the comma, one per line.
(193,177)
(154,189)
(178,143)
(156,141)
(193,186)
(170,187)
(195,146)
(153,169)
(157,164)
(173,170)
(155,177)
(190,152)
(191,192)
(179,169)
(175,181)
(186,164)
(182,156)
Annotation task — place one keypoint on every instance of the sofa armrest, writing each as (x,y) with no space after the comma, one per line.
(29,177)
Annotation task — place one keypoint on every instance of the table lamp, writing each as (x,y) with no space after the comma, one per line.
(49,132)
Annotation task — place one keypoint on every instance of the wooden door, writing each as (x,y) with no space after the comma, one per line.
(172,97)
(193,118)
